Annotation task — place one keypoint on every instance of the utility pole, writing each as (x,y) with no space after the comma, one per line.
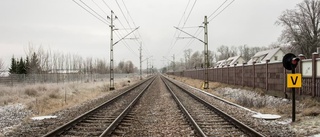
(147,67)
(173,64)
(140,49)
(206,56)
(111,54)
(111,48)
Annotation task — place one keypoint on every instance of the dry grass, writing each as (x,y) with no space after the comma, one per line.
(310,107)
(31,92)
(45,99)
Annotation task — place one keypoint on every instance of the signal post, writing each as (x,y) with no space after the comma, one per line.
(290,62)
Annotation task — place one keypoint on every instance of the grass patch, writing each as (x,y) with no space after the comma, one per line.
(312,111)
(31,92)
(54,95)
(105,88)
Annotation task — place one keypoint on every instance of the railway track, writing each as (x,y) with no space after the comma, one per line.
(101,119)
(205,118)
(155,114)
(156,107)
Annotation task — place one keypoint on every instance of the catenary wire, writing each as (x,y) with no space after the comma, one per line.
(222,10)
(94,11)
(90,12)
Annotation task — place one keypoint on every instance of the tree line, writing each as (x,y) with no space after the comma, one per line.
(195,60)
(40,61)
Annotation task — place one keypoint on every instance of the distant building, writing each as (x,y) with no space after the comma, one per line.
(274,55)
(230,61)
(220,63)
(64,71)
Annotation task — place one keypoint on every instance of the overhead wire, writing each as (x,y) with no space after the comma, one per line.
(174,40)
(106,5)
(91,13)
(125,43)
(222,10)
(134,25)
(217,9)
(100,8)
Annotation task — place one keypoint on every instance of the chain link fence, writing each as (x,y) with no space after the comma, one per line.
(57,78)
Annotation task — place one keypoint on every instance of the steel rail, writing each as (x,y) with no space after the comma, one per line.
(246,129)
(71,123)
(185,111)
(117,121)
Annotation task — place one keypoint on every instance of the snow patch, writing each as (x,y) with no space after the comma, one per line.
(266,116)
(43,117)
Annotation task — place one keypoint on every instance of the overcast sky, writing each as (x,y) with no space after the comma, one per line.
(62,25)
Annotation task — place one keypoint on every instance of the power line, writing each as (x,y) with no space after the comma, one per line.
(139,35)
(222,10)
(123,14)
(125,43)
(174,41)
(106,4)
(100,8)
(217,8)
(91,13)
(189,13)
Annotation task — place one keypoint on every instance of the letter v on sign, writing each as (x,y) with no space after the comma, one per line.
(294,80)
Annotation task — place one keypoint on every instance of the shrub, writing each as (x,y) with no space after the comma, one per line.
(54,95)
(105,88)
(31,92)
(313,111)
(42,88)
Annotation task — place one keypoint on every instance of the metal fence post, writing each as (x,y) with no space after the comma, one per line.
(267,69)
(254,74)
(314,72)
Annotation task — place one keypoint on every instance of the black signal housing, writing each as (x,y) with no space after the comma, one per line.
(290,61)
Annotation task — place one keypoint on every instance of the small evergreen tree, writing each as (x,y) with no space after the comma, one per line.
(13,68)
(21,69)
(27,65)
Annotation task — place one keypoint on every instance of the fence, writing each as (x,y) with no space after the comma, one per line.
(268,76)
(56,78)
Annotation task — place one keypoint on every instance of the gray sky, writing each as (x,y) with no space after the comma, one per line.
(62,25)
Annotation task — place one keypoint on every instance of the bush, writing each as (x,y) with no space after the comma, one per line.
(54,95)
(42,88)
(31,92)
(105,88)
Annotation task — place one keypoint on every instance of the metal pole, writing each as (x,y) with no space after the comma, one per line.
(293,99)
(173,64)
(140,61)
(206,57)
(111,54)
(147,67)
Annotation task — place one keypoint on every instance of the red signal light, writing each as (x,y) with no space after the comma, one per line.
(295,61)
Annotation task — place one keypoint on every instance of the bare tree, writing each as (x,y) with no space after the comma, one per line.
(301,27)
(129,68)
(196,60)
(187,56)
(1,65)
(226,52)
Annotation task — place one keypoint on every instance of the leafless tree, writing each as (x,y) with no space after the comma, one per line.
(196,60)
(225,52)
(301,27)
(1,65)
(129,68)
(187,56)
